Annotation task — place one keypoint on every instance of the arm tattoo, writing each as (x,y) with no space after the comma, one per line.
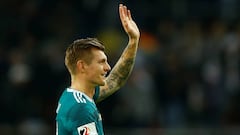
(120,73)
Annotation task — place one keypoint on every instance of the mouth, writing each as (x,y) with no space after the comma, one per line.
(104,75)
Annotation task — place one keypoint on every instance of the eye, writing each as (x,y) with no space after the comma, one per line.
(103,61)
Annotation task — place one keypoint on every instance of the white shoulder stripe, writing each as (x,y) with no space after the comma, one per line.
(78,97)
(75,96)
(81,95)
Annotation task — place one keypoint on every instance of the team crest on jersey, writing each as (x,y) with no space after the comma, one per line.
(87,129)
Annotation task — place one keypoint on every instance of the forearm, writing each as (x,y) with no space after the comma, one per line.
(122,70)
(123,67)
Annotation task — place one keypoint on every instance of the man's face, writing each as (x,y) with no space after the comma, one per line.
(98,69)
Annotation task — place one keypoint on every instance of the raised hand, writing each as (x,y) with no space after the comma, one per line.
(128,24)
(123,68)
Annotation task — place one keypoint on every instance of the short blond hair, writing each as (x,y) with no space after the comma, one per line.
(80,49)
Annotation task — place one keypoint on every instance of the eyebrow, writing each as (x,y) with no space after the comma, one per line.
(103,59)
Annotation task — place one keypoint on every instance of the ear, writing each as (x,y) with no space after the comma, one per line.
(81,66)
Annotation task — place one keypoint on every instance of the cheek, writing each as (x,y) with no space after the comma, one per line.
(94,70)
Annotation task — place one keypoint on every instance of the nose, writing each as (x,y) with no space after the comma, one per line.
(107,67)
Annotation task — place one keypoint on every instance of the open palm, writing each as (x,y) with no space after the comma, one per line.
(128,24)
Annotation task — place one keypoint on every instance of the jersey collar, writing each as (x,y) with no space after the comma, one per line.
(73,90)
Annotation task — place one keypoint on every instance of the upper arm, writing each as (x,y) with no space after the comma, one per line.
(114,81)
(102,91)
(109,88)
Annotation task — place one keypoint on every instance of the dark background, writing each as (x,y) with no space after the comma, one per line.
(186,74)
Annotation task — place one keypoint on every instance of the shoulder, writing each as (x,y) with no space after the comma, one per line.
(78,97)
(70,95)
(81,111)
(70,101)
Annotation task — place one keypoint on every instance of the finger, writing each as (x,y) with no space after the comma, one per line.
(129,15)
(121,12)
(125,10)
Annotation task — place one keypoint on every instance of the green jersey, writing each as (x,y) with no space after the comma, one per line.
(77,114)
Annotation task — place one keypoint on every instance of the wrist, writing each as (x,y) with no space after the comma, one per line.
(134,39)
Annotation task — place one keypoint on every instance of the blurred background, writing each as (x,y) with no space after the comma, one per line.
(185,81)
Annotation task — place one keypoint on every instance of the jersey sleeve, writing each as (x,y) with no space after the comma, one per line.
(96,95)
(83,121)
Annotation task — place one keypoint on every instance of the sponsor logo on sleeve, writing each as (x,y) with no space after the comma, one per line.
(87,129)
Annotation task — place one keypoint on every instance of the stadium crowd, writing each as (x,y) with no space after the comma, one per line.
(186,75)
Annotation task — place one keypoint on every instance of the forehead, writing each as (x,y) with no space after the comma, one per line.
(98,54)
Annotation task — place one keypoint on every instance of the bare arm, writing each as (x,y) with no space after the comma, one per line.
(121,71)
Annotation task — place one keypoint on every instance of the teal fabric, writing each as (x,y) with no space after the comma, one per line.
(76,109)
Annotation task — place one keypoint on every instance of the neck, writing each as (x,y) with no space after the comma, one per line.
(82,86)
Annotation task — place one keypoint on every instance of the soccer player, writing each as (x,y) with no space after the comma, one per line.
(87,64)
